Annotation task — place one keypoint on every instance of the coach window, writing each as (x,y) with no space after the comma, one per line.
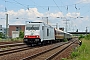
(47,32)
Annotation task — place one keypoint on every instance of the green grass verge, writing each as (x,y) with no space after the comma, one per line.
(82,52)
(12,40)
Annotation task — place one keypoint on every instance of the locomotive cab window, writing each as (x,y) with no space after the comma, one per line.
(32,27)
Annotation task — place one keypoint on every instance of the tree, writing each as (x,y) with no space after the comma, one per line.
(21,34)
(2,35)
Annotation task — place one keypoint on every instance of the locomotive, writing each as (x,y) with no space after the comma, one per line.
(41,33)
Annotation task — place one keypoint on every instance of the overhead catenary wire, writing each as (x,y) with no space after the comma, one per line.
(66,7)
(37,4)
(28,4)
(8,1)
(24,5)
(57,5)
(19,3)
(75,6)
(43,7)
(64,17)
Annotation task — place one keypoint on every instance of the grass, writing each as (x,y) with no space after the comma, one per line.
(82,52)
(5,48)
(12,40)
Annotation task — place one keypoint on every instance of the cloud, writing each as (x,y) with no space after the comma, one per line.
(73,15)
(22,15)
(58,14)
(25,13)
(84,1)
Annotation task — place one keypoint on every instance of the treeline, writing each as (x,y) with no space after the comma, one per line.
(87,37)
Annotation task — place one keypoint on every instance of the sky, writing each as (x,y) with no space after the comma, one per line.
(76,13)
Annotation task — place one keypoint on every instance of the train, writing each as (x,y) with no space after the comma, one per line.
(41,33)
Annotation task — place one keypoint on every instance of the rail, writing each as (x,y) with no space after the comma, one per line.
(11,45)
(38,54)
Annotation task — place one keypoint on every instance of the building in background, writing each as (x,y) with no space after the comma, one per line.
(2,29)
(14,30)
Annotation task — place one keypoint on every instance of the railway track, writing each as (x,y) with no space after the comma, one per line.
(11,45)
(17,47)
(35,53)
(50,53)
(8,42)
(12,48)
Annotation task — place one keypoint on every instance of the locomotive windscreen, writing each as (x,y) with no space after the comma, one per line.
(32,27)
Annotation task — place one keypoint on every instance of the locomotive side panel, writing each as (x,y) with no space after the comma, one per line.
(48,33)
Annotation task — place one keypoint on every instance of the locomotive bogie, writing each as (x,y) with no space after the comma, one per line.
(31,41)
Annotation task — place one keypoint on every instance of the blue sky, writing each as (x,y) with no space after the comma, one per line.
(29,10)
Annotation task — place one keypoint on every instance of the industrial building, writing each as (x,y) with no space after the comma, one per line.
(2,29)
(14,30)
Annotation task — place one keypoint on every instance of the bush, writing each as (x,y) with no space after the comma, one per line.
(81,36)
(87,37)
(21,34)
(2,35)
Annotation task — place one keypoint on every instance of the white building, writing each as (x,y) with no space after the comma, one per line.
(2,29)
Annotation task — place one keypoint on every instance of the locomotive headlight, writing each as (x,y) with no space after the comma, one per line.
(26,36)
(37,36)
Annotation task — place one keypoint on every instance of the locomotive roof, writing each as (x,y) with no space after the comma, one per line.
(36,22)
(41,22)
(33,22)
